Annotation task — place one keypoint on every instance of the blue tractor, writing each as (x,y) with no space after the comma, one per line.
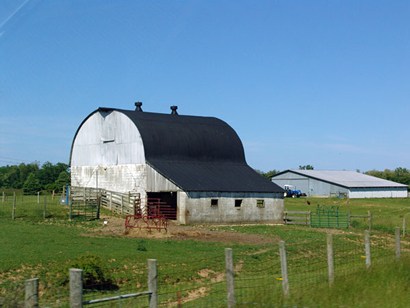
(292,192)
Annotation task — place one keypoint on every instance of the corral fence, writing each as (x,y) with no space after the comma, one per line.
(86,202)
(243,280)
(325,217)
(73,203)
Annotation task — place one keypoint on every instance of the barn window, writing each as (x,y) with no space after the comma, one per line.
(214,202)
(238,202)
(260,203)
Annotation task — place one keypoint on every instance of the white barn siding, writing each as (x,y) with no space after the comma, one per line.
(108,153)
(378,193)
(107,139)
(119,178)
(157,183)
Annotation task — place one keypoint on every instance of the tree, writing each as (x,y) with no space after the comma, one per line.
(32,184)
(62,180)
(268,174)
(306,167)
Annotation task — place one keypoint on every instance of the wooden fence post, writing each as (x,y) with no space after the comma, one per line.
(45,207)
(3,198)
(38,197)
(13,213)
(330,259)
(284,268)
(152,283)
(76,288)
(31,293)
(230,282)
(397,243)
(367,248)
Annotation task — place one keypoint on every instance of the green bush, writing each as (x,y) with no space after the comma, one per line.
(95,273)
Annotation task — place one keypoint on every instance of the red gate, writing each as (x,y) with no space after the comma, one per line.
(157,216)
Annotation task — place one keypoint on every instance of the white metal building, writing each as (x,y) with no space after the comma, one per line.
(195,164)
(340,183)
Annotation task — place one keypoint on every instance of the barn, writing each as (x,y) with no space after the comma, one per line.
(349,184)
(195,164)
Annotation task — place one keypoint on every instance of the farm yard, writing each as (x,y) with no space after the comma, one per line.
(38,241)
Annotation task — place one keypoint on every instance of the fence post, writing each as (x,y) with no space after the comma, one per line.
(76,288)
(45,207)
(230,282)
(38,197)
(3,197)
(330,259)
(31,293)
(397,243)
(404,225)
(370,220)
(13,213)
(367,248)
(284,268)
(152,283)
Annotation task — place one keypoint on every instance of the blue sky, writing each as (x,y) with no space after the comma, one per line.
(325,83)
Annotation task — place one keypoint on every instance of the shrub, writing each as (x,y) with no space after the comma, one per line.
(95,273)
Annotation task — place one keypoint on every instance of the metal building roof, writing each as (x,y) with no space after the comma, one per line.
(196,153)
(348,179)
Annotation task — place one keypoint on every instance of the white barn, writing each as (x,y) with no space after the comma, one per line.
(350,184)
(195,164)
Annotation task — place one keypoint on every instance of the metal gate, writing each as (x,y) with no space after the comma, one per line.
(329,217)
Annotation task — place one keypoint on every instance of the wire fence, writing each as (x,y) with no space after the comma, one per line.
(258,275)
(43,205)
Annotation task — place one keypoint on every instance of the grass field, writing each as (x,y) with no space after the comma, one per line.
(191,271)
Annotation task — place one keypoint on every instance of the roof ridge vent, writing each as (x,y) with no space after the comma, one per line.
(138,106)
(174,110)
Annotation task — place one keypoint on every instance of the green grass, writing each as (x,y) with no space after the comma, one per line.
(195,269)
(386,213)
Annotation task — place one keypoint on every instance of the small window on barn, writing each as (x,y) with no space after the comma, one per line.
(260,203)
(238,202)
(214,202)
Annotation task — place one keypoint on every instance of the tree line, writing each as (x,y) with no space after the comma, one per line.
(399,175)
(32,177)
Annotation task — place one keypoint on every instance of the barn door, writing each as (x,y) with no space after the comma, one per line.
(162,203)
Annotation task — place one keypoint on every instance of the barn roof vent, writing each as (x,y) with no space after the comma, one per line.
(174,109)
(138,106)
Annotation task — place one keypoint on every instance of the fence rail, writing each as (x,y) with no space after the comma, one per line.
(86,202)
(297,218)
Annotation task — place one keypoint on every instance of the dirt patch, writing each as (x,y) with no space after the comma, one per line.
(114,226)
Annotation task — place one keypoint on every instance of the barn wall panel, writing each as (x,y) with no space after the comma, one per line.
(158,183)
(107,138)
(120,178)
(198,210)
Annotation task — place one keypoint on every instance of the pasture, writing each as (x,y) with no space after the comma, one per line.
(191,259)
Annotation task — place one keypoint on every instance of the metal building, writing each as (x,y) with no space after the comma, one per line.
(196,164)
(349,184)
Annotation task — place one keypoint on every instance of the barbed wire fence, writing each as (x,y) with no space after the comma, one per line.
(256,277)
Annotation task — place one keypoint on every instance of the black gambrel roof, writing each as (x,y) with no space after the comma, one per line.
(197,153)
